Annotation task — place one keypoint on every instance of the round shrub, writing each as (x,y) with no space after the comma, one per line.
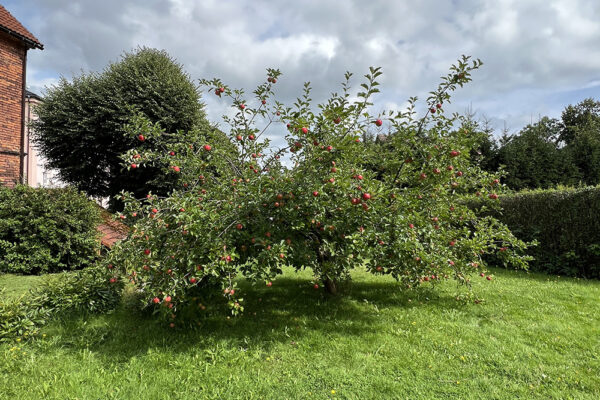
(46,230)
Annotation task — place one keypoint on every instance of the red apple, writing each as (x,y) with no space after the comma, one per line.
(378,122)
(141,138)
(156,300)
(366,196)
(304,130)
(207,147)
(315,193)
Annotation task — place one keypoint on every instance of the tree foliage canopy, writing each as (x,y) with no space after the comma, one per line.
(393,208)
(551,151)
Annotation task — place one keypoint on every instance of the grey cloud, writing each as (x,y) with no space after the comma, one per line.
(531,49)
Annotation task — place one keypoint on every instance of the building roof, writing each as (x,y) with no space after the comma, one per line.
(111,230)
(13,27)
(31,95)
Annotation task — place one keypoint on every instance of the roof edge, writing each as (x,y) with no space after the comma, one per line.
(32,44)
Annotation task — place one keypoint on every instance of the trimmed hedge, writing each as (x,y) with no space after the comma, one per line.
(46,230)
(566,224)
(87,290)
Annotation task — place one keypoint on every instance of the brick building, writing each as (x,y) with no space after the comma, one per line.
(15,41)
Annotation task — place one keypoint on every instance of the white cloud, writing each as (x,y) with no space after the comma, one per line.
(531,49)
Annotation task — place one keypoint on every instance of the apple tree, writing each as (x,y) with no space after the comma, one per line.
(394,207)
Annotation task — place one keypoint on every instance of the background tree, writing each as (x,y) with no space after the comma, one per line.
(533,159)
(584,151)
(547,153)
(81,125)
(581,135)
(574,118)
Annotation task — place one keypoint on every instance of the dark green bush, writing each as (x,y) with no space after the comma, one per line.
(46,230)
(564,222)
(88,290)
(81,125)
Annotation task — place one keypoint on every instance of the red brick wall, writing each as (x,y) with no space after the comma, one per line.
(12,57)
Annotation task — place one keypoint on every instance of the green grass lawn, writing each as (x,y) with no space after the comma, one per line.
(534,337)
(17,285)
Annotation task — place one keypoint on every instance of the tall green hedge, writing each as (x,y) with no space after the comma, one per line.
(565,223)
(46,230)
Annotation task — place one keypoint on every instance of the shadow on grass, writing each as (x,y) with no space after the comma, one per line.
(287,312)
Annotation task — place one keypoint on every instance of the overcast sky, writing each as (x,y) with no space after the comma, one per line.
(539,56)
